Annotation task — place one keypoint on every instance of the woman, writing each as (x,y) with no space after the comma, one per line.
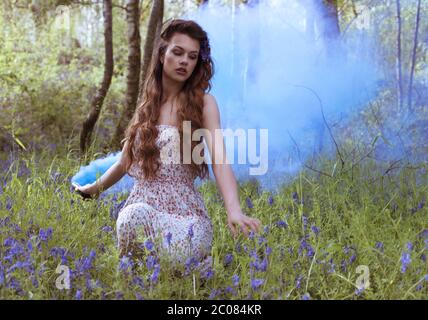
(164,202)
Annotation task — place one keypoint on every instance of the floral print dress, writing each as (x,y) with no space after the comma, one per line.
(168,209)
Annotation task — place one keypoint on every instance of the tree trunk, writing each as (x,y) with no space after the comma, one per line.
(98,99)
(134,67)
(399,72)
(412,68)
(153,31)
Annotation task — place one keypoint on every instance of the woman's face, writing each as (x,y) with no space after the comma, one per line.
(181,55)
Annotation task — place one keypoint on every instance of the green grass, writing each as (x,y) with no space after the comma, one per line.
(353,212)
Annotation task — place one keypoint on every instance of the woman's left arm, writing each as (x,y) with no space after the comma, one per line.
(223,172)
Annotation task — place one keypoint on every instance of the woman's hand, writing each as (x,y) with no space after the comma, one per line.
(244,223)
(88,191)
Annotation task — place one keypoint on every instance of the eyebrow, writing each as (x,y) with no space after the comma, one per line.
(183,49)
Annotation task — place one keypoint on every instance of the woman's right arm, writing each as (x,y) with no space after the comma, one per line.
(109,178)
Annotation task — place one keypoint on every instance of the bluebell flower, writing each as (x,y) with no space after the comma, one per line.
(270,200)
(79,294)
(421,204)
(332,266)
(45,235)
(306,296)
(305,221)
(268,251)
(424,234)
(310,251)
(168,238)
(151,262)
(138,296)
(228,259)
(249,203)
(119,295)
(299,281)
(231,290)
(358,291)
(190,263)
(405,261)
(107,229)
(190,232)
(256,283)
(315,230)
(281,224)
(138,281)
(125,264)
(214,293)
(155,275)
(235,280)
(8,204)
(295,196)
(409,246)
(2,277)
(261,240)
(352,259)
(208,274)
(379,246)
(423,257)
(149,244)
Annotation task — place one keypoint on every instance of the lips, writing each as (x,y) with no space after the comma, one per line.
(181,70)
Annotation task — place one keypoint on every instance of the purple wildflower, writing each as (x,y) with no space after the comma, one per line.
(168,238)
(235,279)
(151,262)
(405,261)
(79,294)
(107,229)
(208,274)
(230,290)
(315,230)
(125,264)
(149,244)
(270,200)
(306,296)
(281,224)
(295,196)
(155,275)
(249,203)
(190,263)
(228,259)
(379,246)
(305,221)
(190,232)
(299,281)
(256,283)
(45,235)
(358,291)
(409,246)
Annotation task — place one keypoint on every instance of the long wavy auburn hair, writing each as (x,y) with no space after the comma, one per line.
(189,103)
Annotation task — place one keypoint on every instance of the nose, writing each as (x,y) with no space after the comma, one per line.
(184,61)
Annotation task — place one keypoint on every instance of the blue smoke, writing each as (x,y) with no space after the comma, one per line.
(275,70)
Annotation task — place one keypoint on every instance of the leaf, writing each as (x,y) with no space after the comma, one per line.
(19,143)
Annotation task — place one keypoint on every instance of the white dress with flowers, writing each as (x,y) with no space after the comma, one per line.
(168,210)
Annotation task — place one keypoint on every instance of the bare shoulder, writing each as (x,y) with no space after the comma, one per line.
(210,106)
(211,113)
